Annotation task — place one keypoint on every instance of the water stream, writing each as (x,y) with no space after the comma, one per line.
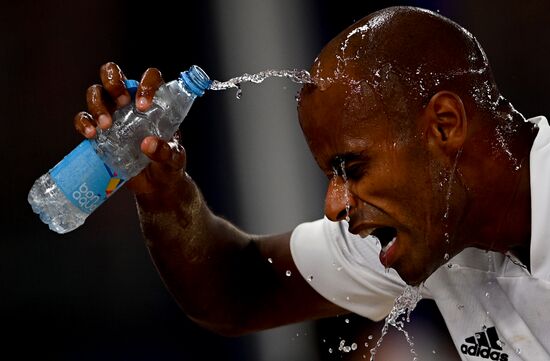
(297,76)
(399,314)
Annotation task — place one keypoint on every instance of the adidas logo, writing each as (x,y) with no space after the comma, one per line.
(484,344)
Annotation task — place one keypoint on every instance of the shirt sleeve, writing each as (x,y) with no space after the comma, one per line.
(344,268)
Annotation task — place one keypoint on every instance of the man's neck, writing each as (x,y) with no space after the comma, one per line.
(515,207)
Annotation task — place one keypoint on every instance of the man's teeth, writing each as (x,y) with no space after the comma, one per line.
(366,232)
(389,244)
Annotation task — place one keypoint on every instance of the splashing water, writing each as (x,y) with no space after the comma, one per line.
(336,173)
(346,187)
(297,76)
(403,305)
(449,187)
(288,273)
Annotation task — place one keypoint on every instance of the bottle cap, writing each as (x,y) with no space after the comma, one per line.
(195,80)
(131,86)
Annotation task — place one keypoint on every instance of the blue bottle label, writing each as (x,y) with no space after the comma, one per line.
(84,179)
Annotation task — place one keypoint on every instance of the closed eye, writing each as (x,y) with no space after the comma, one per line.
(351,166)
(355,171)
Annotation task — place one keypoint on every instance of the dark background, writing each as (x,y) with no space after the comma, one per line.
(93,294)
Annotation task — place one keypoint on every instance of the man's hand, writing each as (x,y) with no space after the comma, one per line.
(168,158)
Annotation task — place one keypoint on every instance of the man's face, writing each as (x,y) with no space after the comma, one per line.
(396,189)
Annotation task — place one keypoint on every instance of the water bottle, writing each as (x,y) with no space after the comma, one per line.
(69,192)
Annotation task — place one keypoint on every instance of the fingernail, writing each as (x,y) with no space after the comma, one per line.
(123,100)
(141,102)
(89,131)
(103,121)
(152,146)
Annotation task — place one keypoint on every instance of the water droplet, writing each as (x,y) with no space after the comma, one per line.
(460,307)
(347,298)
(354,346)
(239,92)
(346,320)
(446,257)
(346,188)
(487,294)
(288,273)
(330,350)
(370,337)
(366,344)
(346,349)
(269,260)
(483,328)
(450,265)
(339,268)
(434,352)
(324,340)
(364,356)
(310,278)
(518,350)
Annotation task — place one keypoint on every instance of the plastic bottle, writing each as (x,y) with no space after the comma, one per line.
(69,192)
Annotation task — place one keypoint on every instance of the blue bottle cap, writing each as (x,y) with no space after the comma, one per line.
(131,86)
(195,80)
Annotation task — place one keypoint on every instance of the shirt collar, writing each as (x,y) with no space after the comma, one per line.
(539,168)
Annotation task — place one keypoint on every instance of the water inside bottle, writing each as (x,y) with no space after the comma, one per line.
(297,76)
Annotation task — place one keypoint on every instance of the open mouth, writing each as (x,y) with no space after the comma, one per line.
(386,235)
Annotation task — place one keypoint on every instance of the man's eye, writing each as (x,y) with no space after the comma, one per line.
(355,171)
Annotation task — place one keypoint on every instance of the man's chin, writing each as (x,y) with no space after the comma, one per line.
(414,277)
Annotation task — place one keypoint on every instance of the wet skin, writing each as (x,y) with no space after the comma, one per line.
(393,180)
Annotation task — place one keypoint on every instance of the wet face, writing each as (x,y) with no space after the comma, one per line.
(396,188)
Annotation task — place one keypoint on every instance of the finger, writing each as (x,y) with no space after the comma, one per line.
(150,82)
(99,106)
(85,124)
(112,79)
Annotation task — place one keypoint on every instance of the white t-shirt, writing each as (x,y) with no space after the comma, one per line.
(494,307)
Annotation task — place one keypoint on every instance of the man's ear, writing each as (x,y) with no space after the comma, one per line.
(447,123)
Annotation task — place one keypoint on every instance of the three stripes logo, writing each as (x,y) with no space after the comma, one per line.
(485,345)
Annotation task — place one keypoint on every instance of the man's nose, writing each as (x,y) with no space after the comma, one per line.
(338,200)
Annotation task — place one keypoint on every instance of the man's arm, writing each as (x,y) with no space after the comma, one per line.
(224,279)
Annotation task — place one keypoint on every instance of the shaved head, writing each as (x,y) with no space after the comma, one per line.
(405,55)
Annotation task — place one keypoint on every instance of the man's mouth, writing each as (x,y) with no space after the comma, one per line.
(387,236)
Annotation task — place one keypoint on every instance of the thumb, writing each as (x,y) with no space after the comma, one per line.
(168,163)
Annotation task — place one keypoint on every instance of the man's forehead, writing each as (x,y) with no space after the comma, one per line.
(342,103)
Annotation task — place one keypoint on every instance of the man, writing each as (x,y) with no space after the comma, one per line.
(428,165)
